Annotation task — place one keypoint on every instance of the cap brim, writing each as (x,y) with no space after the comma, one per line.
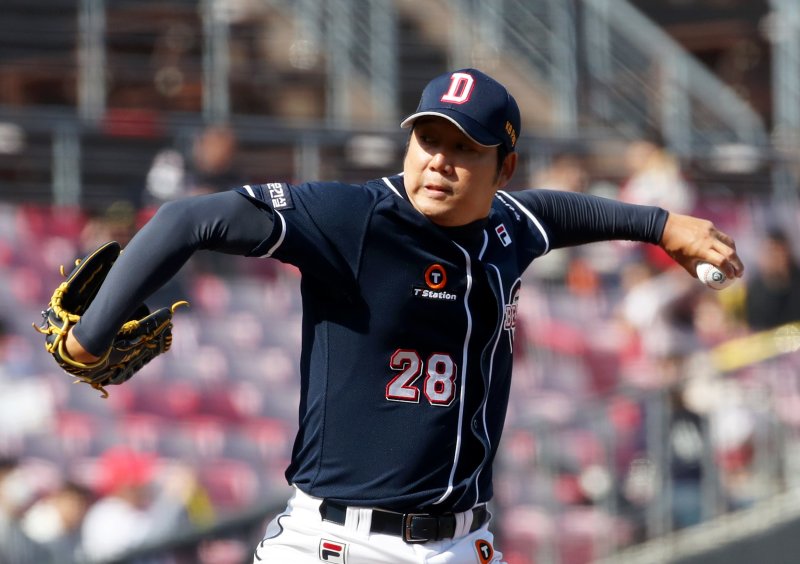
(486,141)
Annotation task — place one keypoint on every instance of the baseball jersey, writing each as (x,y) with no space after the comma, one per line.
(408,338)
(408,327)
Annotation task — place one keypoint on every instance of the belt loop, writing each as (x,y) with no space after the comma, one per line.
(351,520)
(364,522)
(463,523)
(323,508)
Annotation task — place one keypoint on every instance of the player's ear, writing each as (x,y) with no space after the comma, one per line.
(507,169)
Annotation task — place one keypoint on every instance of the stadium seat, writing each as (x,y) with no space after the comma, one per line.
(81,434)
(231,484)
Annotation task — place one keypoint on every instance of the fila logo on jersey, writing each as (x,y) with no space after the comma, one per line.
(484,550)
(510,315)
(502,232)
(435,280)
(330,551)
(279,195)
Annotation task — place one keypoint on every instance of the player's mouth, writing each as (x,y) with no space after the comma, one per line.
(437,190)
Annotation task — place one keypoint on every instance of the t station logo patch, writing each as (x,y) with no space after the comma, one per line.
(434,288)
(485,551)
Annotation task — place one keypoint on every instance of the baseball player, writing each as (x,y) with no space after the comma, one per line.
(409,288)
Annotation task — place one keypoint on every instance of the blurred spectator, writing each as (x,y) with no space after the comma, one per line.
(735,432)
(27,404)
(116,223)
(15,497)
(565,171)
(655,178)
(5,342)
(687,444)
(136,508)
(716,319)
(211,167)
(55,521)
(657,312)
(773,291)
(680,445)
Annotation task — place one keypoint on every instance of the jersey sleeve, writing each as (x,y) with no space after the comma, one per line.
(568,218)
(319,226)
(222,222)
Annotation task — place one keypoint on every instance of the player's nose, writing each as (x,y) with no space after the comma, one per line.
(440,162)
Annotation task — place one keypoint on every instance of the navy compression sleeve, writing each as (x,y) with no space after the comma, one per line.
(575,219)
(226,222)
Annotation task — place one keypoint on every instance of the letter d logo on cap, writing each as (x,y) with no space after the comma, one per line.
(461,85)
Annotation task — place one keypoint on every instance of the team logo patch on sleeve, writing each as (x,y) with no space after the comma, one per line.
(502,233)
(332,551)
(277,194)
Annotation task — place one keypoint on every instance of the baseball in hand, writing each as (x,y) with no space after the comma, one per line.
(712,276)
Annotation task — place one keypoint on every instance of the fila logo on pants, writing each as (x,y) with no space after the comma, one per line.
(331,551)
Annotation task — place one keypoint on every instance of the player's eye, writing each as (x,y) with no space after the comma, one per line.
(429,143)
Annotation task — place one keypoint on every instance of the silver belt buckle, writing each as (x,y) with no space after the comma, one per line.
(407,518)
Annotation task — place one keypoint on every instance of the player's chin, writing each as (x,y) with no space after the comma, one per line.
(446,219)
(427,204)
(435,210)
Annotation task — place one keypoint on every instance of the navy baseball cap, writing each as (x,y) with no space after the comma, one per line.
(476,103)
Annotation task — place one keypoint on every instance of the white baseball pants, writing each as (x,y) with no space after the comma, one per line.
(300,536)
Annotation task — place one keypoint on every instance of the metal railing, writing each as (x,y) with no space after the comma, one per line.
(784,27)
(635,78)
(537,39)
(600,61)
(359,43)
(639,79)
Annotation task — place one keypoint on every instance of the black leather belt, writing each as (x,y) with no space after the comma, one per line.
(411,527)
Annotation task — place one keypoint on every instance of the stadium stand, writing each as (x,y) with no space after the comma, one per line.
(599,454)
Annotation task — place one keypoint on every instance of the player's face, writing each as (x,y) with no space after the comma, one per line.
(448,177)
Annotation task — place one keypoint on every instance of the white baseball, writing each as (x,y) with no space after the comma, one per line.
(712,276)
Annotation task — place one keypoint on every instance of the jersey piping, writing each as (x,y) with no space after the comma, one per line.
(464,362)
(530,215)
(282,236)
(489,383)
(485,245)
(390,185)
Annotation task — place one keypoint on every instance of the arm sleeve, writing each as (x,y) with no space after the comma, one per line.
(574,219)
(225,222)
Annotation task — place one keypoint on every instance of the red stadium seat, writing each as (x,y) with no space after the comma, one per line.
(231,484)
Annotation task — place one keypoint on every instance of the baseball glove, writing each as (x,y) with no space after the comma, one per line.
(143,337)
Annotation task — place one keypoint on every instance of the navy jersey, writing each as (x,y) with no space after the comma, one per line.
(408,333)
